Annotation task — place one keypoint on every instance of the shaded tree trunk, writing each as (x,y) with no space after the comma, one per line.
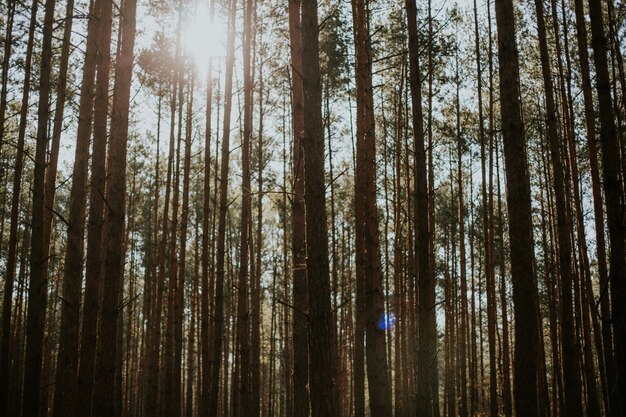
(106,365)
(38,286)
(426,366)
(323,396)
(525,304)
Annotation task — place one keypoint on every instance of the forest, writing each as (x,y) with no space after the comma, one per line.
(259,208)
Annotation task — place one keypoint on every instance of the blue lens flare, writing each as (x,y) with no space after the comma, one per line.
(387,321)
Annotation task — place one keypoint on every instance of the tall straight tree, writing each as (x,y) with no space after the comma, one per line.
(300,374)
(38,286)
(569,349)
(366,215)
(11,260)
(614,195)
(76,226)
(241,379)
(324,402)
(67,401)
(107,365)
(426,367)
(218,330)
(525,304)
(598,206)
(206,199)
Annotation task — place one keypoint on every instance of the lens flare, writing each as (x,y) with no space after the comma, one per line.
(387,321)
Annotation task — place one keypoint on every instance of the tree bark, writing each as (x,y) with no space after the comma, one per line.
(38,288)
(426,369)
(525,362)
(106,365)
(323,399)
(569,347)
(218,331)
(375,319)
(11,261)
(300,375)
(613,190)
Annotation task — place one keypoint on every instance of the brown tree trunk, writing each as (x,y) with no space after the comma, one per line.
(256,320)
(298,232)
(569,347)
(218,331)
(11,260)
(206,289)
(106,366)
(613,189)
(590,125)
(76,228)
(487,237)
(366,216)
(426,366)
(241,378)
(323,400)
(525,303)
(69,400)
(38,286)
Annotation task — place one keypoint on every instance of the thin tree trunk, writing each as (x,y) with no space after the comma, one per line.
(298,231)
(426,369)
(11,259)
(241,378)
(38,287)
(569,347)
(218,331)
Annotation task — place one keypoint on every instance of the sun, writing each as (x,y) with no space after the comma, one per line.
(204,37)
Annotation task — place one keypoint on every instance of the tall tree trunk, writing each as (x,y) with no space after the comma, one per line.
(241,378)
(366,215)
(569,347)
(426,369)
(106,365)
(590,125)
(11,260)
(65,393)
(76,228)
(613,189)
(218,331)
(184,228)
(323,398)
(255,337)
(487,237)
(38,286)
(206,199)
(298,231)
(525,304)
